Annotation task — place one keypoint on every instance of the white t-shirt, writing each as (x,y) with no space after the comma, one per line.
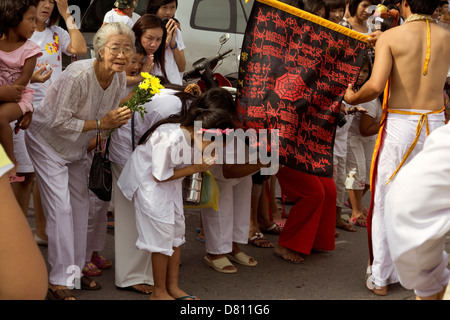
(340,141)
(113,16)
(160,107)
(374,110)
(173,74)
(53,41)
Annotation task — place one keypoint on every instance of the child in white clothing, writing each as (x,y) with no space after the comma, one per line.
(152,179)
(123,12)
(361,143)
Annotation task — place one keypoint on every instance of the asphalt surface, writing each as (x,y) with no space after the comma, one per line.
(336,275)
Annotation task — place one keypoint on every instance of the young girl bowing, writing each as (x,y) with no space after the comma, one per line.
(152,179)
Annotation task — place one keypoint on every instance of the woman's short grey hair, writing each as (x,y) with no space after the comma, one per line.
(102,36)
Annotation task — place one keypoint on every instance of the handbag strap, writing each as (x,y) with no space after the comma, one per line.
(132,131)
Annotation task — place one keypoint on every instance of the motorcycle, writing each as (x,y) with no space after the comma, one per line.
(203,69)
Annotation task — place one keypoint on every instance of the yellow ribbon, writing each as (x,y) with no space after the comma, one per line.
(423,120)
(427,58)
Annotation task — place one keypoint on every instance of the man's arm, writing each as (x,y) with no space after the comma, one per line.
(374,87)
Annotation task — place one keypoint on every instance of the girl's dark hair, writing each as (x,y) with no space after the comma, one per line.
(353,6)
(154,5)
(150,21)
(313,6)
(423,7)
(335,4)
(366,61)
(295,3)
(215,108)
(11,13)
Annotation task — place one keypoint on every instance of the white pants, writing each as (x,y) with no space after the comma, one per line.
(232,222)
(339,175)
(132,265)
(400,132)
(359,160)
(20,151)
(65,201)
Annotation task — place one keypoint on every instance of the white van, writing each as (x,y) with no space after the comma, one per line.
(202,22)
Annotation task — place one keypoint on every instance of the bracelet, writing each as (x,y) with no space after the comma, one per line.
(176,46)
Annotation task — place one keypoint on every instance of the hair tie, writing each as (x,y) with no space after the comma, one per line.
(193,89)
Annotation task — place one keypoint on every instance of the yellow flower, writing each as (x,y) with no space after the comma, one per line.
(144,85)
(146,75)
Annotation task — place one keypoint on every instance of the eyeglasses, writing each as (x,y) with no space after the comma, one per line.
(115,51)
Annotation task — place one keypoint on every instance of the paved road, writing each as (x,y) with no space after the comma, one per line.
(337,275)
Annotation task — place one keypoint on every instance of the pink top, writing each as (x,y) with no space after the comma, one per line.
(11,64)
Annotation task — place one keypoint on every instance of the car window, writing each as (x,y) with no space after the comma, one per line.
(212,15)
(243,12)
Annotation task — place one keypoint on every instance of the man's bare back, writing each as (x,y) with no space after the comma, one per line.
(400,55)
(410,88)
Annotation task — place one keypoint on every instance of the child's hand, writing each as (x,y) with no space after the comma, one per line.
(24,122)
(207,163)
(40,77)
(356,109)
(11,93)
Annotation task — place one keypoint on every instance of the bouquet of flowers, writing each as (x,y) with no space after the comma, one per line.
(143,93)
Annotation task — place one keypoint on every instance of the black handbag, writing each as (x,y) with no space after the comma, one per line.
(100,175)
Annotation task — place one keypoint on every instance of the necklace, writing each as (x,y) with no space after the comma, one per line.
(418,17)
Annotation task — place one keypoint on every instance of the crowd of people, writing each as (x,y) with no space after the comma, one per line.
(50,119)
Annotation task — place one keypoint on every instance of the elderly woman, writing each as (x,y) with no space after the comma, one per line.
(85,97)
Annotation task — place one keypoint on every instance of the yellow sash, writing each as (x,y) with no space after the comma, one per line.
(423,119)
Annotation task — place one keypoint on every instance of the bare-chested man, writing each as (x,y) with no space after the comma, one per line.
(415,58)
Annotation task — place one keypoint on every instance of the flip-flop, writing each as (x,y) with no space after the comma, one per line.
(359,221)
(188,297)
(13,179)
(220,264)
(274,229)
(258,240)
(346,226)
(85,283)
(243,259)
(133,289)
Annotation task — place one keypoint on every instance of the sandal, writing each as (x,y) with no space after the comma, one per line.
(13,179)
(91,270)
(60,294)
(243,259)
(101,262)
(345,226)
(220,264)
(274,229)
(86,283)
(260,241)
(360,221)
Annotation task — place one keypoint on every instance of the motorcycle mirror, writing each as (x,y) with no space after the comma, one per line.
(224,38)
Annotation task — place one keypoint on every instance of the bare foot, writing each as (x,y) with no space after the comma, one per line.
(287,254)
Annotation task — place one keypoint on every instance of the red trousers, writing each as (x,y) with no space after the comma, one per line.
(312,220)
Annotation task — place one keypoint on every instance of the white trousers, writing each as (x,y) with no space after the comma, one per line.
(65,201)
(400,132)
(339,175)
(132,265)
(359,160)
(232,222)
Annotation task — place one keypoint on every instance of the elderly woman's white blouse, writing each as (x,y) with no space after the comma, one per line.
(157,158)
(76,96)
